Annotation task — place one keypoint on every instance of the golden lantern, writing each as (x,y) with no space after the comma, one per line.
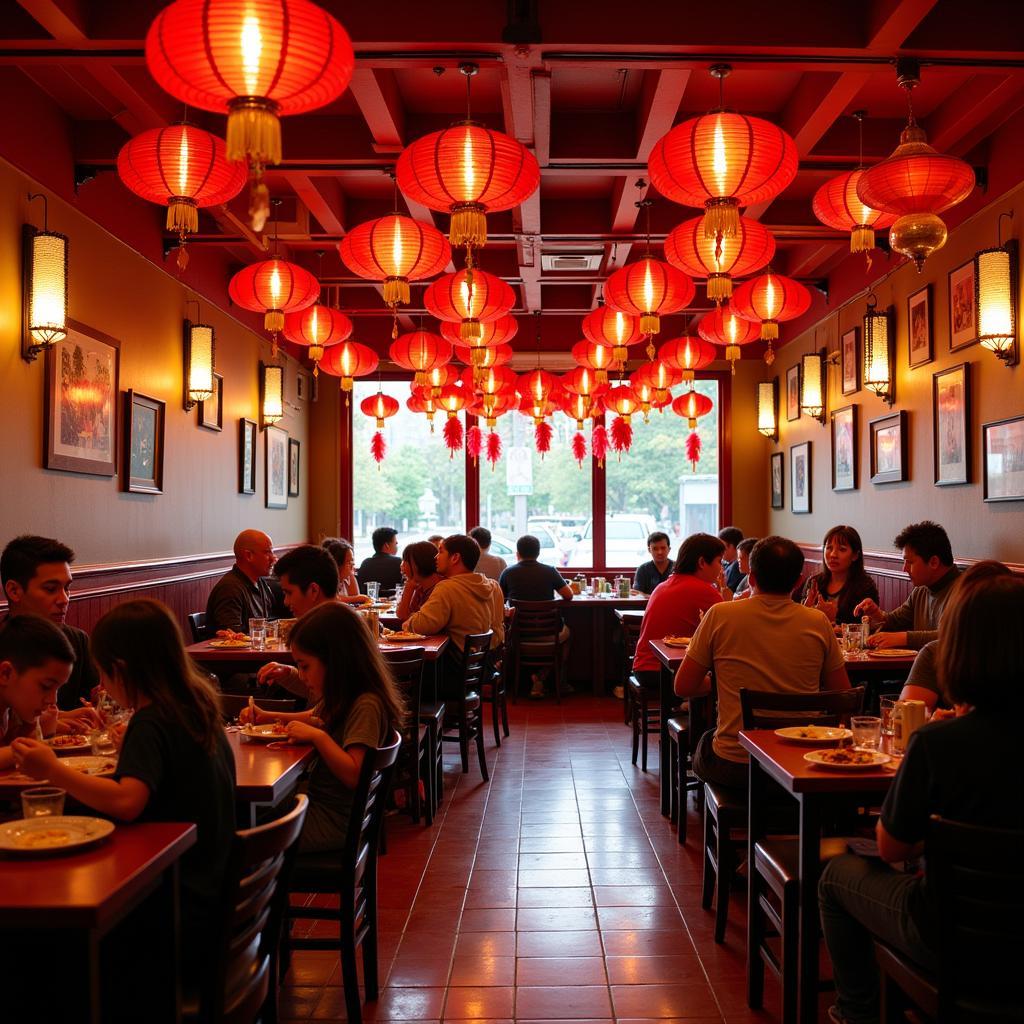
(46,286)
(878,353)
(813,382)
(768,408)
(995,283)
(271,393)
(200,365)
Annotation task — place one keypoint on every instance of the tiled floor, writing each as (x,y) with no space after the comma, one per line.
(555,892)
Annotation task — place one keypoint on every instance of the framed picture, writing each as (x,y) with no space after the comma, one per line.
(919,326)
(144,443)
(276,469)
(963,314)
(778,480)
(888,438)
(1002,443)
(211,412)
(800,477)
(793,393)
(80,402)
(246,456)
(951,435)
(849,360)
(844,449)
(293,468)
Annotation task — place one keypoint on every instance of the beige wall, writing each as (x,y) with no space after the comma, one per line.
(977,529)
(750,497)
(114,290)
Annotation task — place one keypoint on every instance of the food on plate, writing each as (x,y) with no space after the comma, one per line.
(402,634)
(231,643)
(68,740)
(815,732)
(677,641)
(38,838)
(230,634)
(847,755)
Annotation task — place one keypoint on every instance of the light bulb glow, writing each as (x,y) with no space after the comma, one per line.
(252,52)
(994,272)
(648,290)
(468,174)
(719,163)
(275,286)
(183,164)
(766,414)
(396,249)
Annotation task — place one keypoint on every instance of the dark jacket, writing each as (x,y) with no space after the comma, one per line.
(235,599)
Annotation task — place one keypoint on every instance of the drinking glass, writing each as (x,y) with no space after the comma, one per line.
(273,633)
(103,743)
(258,634)
(399,590)
(867,731)
(887,706)
(42,802)
(373,591)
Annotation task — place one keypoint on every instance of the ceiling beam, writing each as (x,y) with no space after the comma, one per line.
(63,19)
(329,210)
(974,110)
(376,94)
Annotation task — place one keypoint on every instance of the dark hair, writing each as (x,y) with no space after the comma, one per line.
(657,537)
(435,539)
(695,547)
(482,536)
(747,544)
(421,556)
(338,549)
(26,641)
(730,534)
(23,556)
(381,536)
(776,564)
(353,665)
(465,547)
(927,539)
(307,564)
(142,642)
(857,573)
(981,645)
(528,546)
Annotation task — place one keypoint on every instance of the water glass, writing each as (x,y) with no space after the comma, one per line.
(867,731)
(399,591)
(373,590)
(258,634)
(42,802)
(887,707)
(273,633)
(103,743)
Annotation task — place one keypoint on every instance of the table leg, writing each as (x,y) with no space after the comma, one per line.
(665,695)
(810,866)
(27,972)
(757,817)
(597,652)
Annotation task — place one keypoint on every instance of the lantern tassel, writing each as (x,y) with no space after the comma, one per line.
(493,448)
(468,226)
(254,132)
(693,449)
(622,436)
(579,448)
(453,435)
(719,287)
(721,218)
(378,448)
(182,259)
(599,443)
(542,437)
(474,442)
(182,215)
(862,238)
(259,202)
(396,291)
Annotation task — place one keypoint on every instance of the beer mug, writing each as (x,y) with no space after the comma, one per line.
(908,715)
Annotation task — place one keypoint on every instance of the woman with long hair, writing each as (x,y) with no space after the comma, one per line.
(344,555)
(843,581)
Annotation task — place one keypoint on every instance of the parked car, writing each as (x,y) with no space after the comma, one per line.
(625,541)
(551,552)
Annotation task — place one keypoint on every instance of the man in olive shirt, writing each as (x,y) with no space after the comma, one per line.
(242,593)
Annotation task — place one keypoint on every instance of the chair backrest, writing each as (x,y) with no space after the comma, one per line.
(764,709)
(407,668)
(197,626)
(231,705)
(631,628)
(252,911)
(538,621)
(475,656)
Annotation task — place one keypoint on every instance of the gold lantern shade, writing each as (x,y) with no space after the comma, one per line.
(48,294)
(995,277)
(768,408)
(812,386)
(878,350)
(199,363)
(271,393)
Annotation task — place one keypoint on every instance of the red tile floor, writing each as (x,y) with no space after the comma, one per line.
(555,892)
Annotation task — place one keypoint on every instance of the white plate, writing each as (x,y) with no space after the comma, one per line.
(677,641)
(263,733)
(399,637)
(231,645)
(92,765)
(892,652)
(813,734)
(818,757)
(63,749)
(44,835)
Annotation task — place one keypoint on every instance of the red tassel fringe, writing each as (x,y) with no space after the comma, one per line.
(599,443)
(622,435)
(453,435)
(579,448)
(693,449)
(474,442)
(378,448)
(542,436)
(493,448)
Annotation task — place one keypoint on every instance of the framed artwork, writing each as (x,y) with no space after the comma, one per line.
(778,480)
(888,438)
(293,468)
(80,402)
(211,412)
(849,360)
(919,326)
(963,314)
(1003,447)
(276,469)
(793,393)
(800,478)
(844,449)
(246,456)
(951,435)
(144,443)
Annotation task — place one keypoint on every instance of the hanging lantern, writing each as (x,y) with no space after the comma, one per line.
(648,288)
(482,358)
(538,411)
(721,258)
(583,381)
(490,407)
(349,360)
(812,386)
(995,285)
(605,326)
(396,250)
(453,399)
(469,300)
(837,205)
(691,406)
(769,299)
(380,407)
(492,333)
(621,400)
(723,327)
(878,352)
(687,354)
(768,408)
(644,394)
(660,378)
(273,287)
(419,404)
(420,351)
(538,384)
(577,407)
(594,356)
(437,378)
(317,327)
(183,168)
(254,60)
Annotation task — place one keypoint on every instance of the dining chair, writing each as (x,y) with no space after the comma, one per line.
(495,691)
(536,630)
(463,720)
(197,626)
(414,761)
(631,627)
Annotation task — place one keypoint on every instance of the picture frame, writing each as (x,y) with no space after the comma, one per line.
(951,425)
(144,433)
(849,361)
(82,384)
(844,448)
(247,432)
(793,393)
(919,327)
(275,469)
(211,412)
(1002,443)
(294,466)
(778,479)
(963,310)
(888,438)
(800,478)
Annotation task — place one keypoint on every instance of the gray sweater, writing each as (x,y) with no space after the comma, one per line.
(919,615)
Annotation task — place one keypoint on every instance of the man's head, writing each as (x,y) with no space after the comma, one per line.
(482,536)
(775,565)
(385,541)
(659,546)
(35,661)
(730,536)
(254,553)
(700,555)
(528,547)
(743,550)
(927,553)
(457,554)
(420,560)
(309,576)
(435,539)
(36,574)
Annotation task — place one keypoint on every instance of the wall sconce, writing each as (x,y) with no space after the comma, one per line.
(995,283)
(199,364)
(46,286)
(271,393)
(768,408)
(878,353)
(813,381)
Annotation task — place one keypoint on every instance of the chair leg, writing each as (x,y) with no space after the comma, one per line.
(428,784)
(369,944)
(643,719)
(709,872)
(349,971)
(464,741)
(504,711)
(494,718)
(636,730)
(726,870)
(480,753)
(790,947)
(755,939)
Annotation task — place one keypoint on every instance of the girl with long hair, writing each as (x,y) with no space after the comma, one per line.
(843,581)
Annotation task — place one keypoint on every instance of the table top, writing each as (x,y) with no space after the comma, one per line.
(629,614)
(592,601)
(94,888)
(204,653)
(872,663)
(264,771)
(784,761)
(671,657)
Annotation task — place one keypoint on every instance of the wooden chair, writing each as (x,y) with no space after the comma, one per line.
(351,874)
(231,705)
(197,626)
(976,879)
(414,757)
(495,692)
(631,626)
(535,642)
(464,720)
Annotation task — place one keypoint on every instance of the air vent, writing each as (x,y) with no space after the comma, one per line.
(568,263)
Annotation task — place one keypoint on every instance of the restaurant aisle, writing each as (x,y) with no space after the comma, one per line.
(556,892)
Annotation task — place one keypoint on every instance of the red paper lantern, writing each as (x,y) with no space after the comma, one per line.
(605,326)
(691,406)
(538,384)
(659,377)
(538,410)
(348,360)
(380,407)
(436,379)
(595,356)
(648,288)
(769,299)
(481,358)
(454,398)
(495,332)
(273,287)
(579,407)
(723,327)
(470,298)
(583,381)
(420,404)
(687,354)
(317,327)
(621,400)
(837,205)
(719,259)
(420,351)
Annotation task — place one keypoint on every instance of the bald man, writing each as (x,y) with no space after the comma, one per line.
(243,593)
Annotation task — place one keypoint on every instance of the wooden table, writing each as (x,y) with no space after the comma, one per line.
(590,617)
(265,773)
(60,960)
(670,658)
(780,762)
